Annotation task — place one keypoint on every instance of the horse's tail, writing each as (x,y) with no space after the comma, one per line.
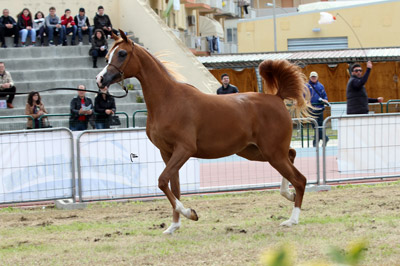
(287,81)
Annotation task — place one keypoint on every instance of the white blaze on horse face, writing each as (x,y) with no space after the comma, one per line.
(104,71)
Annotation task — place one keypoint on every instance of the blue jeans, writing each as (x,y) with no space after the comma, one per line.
(78,126)
(25,33)
(50,34)
(89,31)
(101,125)
(67,31)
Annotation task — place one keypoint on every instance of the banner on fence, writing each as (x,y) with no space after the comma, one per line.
(35,166)
(369,144)
(126,164)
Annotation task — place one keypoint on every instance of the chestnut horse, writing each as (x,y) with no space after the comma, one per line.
(183,122)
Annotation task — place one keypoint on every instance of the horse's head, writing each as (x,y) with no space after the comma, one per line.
(118,58)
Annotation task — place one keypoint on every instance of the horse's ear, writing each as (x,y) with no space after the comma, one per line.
(122,34)
(113,36)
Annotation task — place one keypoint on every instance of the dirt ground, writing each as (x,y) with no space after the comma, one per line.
(233,229)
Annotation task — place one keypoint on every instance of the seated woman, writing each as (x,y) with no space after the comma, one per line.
(104,107)
(25,26)
(99,46)
(39,26)
(35,108)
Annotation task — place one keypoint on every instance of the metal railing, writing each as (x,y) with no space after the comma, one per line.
(123,163)
(134,116)
(68,115)
(393,101)
(367,147)
(37,165)
(19,116)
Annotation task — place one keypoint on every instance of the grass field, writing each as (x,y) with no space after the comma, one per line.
(234,229)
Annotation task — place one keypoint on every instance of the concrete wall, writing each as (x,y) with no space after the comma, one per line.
(375,24)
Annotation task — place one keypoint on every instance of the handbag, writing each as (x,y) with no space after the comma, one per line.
(114,121)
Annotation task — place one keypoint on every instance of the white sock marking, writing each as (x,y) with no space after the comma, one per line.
(172,228)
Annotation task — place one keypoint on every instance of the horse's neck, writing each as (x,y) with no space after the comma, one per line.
(157,85)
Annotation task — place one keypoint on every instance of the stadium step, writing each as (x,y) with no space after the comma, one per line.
(39,68)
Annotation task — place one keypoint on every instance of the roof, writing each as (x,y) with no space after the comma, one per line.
(307,57)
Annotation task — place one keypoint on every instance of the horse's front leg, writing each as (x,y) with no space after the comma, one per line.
(176,190)
(171,173)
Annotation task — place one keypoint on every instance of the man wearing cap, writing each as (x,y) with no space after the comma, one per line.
(83,24)
(226,88)
(357,98)
(318,101)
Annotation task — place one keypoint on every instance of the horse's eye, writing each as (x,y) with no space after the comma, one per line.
(122,53)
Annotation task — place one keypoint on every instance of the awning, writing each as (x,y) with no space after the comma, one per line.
(210,27)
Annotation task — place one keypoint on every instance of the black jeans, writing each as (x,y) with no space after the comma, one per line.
(10,91)
(6,32)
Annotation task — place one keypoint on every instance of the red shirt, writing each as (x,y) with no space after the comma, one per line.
(65,21)
(82,117)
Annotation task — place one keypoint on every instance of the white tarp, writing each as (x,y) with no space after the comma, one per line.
(369,144)
(210,27)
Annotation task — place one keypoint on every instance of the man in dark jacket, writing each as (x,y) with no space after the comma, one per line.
(81,110)
(357,99)
(226,88)
(8,27)
(318,100)
(102,21)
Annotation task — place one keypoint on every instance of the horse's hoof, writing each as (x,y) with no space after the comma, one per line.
(289,223)
(193,215)
(172,228)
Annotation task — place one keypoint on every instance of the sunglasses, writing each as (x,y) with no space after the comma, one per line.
(357,70)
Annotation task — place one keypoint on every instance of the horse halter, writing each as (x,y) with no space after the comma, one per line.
(121,73)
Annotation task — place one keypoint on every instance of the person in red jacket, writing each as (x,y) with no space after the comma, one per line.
(68,26)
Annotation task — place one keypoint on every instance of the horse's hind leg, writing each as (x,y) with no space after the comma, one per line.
(285,183)
(289,171)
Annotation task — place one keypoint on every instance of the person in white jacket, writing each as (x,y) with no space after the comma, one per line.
(39,26)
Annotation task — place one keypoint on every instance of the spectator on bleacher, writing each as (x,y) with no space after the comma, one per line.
(68,25)
(39,26)
(83,24)
(6,85)
(25,24)
(35,108)
(53,27)
(81,110)
(104,107)
(102,21)
(99,46)
(8,28)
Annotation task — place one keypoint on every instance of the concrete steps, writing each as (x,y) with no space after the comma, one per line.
(39,68)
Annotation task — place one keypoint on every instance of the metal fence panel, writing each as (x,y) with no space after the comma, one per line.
(36,165)
(123,163)
(366,147)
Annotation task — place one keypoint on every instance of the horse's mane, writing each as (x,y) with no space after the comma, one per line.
(170,67)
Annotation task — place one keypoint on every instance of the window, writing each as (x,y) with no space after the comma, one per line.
(231,35)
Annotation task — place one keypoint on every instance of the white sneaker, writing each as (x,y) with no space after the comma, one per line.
(80,43)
